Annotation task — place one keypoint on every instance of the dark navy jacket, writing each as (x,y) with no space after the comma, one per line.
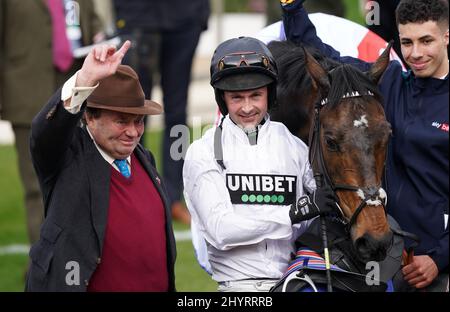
(417,170)
(159,15)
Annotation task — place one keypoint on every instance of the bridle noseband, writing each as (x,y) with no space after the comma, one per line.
(371,195)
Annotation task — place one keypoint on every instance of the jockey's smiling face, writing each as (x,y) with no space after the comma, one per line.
(247,108)
(424,48)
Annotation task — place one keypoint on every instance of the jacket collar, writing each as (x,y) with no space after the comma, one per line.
(430,85)
(236,131)
(99,176)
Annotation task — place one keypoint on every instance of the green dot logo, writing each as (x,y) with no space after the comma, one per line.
(252,198)
(267,199)
(280,199)
(244,198)
(274,198)
(259,198)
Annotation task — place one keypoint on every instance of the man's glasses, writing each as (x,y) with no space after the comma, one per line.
(243,59)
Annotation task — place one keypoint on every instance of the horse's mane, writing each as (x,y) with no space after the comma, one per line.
(294,81)
(350,79)
(294,86)
(293,76)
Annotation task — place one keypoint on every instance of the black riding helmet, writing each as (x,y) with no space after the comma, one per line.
(243,63)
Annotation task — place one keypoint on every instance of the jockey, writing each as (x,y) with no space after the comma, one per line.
(416,105)
(243,178)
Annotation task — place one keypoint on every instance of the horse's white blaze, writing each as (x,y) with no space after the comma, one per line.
(376,202)
(381,196)
(360,194)
(361,122)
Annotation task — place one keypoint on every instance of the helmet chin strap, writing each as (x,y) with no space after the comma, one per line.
(252,134)
(250,131)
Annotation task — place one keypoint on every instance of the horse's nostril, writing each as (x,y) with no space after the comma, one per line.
(380,255)
(362,248)
(372,191)
(370,249)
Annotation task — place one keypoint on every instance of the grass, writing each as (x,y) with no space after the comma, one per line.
(189,276)
(353,11)
(11,206)
(12,221)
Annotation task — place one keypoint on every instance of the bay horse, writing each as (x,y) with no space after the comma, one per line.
(336,109)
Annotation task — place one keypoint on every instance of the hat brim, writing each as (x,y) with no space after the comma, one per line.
(244,81)
(149,108)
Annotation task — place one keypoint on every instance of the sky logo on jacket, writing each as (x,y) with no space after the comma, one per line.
(265,189)
(441,126)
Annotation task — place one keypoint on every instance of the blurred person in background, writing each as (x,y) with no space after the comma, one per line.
(333,7)
(164,36)
(37,39)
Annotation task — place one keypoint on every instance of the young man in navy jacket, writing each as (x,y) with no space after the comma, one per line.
(416,105)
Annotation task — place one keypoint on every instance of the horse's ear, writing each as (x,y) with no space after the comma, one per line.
(378,68)
(318,74)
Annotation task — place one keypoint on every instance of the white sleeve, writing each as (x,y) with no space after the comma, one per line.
(77,95)
(308,184)
(308,178)
(209,202)
(201,251)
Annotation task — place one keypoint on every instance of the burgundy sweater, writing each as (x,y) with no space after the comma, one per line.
(134,256)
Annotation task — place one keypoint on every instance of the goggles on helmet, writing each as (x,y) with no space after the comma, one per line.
(243,59)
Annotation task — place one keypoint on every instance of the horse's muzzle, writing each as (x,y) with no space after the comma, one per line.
(370,249)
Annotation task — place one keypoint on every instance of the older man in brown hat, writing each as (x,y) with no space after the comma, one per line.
(107,224)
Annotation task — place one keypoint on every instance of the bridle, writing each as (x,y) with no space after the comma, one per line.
(370,195)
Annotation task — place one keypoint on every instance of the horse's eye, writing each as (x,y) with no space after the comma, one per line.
(331,144)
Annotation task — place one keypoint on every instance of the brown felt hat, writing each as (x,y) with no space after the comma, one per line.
(122,92)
